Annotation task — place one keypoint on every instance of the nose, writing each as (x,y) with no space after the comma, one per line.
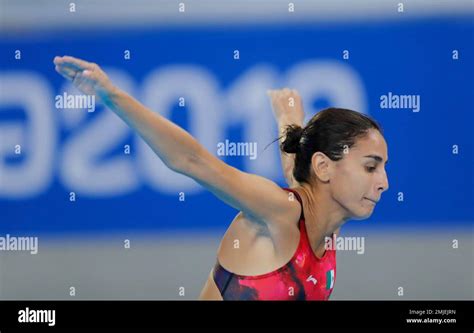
(383,185)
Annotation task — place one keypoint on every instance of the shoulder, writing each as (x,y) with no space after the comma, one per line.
(288,212)
(294,204)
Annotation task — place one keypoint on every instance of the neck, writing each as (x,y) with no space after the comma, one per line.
(325,214)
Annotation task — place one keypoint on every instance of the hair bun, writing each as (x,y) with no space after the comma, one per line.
(291,144)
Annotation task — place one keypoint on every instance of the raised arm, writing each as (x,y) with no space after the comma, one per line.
(288,110)
(259,198)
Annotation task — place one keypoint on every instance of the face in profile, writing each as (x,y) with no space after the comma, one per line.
(359,178)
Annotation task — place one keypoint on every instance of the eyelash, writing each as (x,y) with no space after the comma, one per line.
(370,169)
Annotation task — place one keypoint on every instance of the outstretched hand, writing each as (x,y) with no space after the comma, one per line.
(286,106)
(88,77)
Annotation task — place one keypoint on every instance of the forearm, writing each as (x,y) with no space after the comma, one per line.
(171,143)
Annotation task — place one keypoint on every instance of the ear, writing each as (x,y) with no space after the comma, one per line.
(321,166)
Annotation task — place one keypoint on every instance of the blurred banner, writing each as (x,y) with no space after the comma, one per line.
(108,220)
(79,170)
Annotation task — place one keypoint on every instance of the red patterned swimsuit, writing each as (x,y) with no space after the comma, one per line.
(304,277)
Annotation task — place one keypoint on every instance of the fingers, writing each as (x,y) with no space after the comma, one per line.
(66,72)
(73,63)
(282,92)
(74,69)
(78,79)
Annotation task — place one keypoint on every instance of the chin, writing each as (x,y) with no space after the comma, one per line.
(358,211)
(359,218)
(362,215)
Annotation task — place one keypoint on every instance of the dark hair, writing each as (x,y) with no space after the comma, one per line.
(330,131)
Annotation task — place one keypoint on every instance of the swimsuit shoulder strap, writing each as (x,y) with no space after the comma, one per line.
(297,198)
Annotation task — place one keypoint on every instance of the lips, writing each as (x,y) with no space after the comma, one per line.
(374,201)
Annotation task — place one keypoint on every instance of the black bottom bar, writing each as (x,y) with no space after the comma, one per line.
(407,315)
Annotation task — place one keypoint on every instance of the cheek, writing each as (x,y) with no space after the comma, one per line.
(350,186)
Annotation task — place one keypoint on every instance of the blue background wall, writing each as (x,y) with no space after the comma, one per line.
(410,57)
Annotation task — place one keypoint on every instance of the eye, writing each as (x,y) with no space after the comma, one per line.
(370,169)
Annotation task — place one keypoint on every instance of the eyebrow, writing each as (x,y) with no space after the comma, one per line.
(377,158)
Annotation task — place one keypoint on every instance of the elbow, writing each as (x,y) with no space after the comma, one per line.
(185,165)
